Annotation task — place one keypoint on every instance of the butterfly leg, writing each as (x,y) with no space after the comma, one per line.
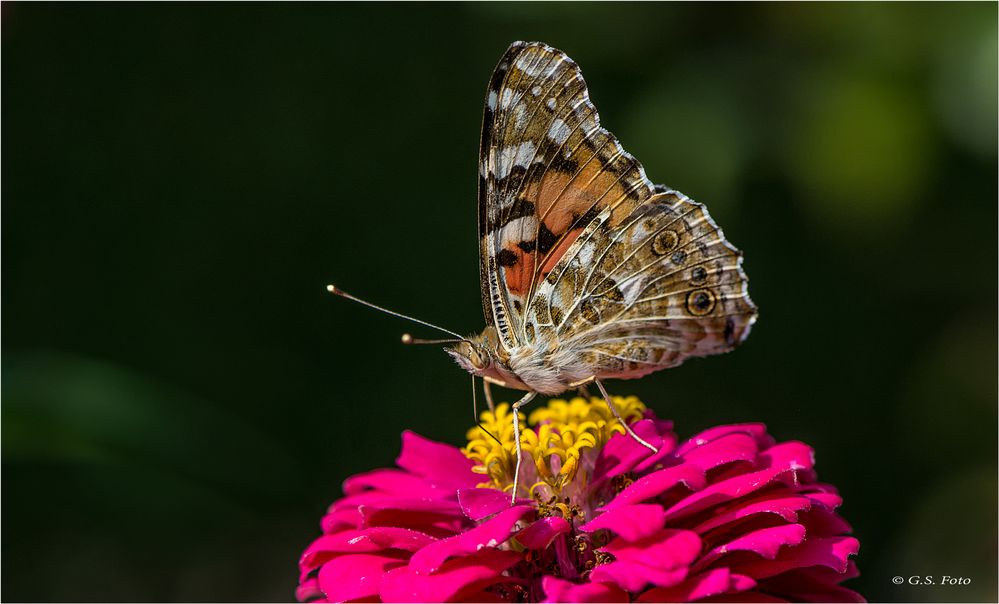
(617,414)
(516,439)
(487,388)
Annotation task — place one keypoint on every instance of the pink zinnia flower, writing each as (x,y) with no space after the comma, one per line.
(728,515)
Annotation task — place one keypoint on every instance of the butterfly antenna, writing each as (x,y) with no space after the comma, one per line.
(408,339)
(339,292)
(475,415)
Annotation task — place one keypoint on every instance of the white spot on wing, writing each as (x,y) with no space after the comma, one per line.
(515,229)
(491,101)
(551,104)
(506,98)
(514,155)
(520,115)
(533,66)
(536,90)
(630,289)
(585,256)
(558,131)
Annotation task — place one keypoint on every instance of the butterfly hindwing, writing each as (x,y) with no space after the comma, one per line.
(646,293)
(547,170)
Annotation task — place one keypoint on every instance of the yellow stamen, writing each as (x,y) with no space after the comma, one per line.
(561,432)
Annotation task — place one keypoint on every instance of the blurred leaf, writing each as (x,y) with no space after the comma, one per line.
(61,408)
(966,89)
(859,152)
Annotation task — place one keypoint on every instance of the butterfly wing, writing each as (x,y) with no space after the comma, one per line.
(547,170)
(646,293)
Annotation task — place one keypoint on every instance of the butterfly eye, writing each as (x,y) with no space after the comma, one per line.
(700,302)
(698,275)
(478,357)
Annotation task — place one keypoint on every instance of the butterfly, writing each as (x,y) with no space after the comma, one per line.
(588,270)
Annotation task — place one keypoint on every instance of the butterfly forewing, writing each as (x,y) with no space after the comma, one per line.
(547,170)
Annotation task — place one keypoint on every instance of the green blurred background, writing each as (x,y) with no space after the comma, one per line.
(182,399)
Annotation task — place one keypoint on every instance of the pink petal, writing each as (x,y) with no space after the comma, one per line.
(621,453)
(722,450)
(661,559)
(355,576)
(407,513)
(340,519)
(726,490)
(766,542)
(714,582)
(657,483)
(850,573)
(541,533)
(829,500)
(665,456)
(361,541)
(744,597)
(662,425)
(755,430)
(814,584)
(309,591)
(386,500)
(823,523)
(422,504)
(631,522)
(785,507)
(830,552)
(458,577)
(391,482)
(487,535)
(559,590)
(792,455)
(485,596)
(443,466)
(634,576)
(478,503)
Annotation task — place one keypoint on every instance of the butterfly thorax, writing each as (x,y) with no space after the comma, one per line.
(528,367)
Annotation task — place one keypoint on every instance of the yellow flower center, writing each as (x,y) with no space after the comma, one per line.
(555,437)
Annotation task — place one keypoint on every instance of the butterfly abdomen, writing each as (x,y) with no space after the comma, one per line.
(549,373)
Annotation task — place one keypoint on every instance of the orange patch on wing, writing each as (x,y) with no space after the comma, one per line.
(559,251)
(518,275)
(560,198)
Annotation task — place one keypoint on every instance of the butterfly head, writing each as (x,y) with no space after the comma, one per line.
(477,354)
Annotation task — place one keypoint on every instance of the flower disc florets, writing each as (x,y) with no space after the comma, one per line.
(728,515)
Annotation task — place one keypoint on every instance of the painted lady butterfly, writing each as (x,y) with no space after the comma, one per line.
(589,271)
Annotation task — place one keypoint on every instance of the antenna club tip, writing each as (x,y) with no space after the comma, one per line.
(331,288)
(407,339)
